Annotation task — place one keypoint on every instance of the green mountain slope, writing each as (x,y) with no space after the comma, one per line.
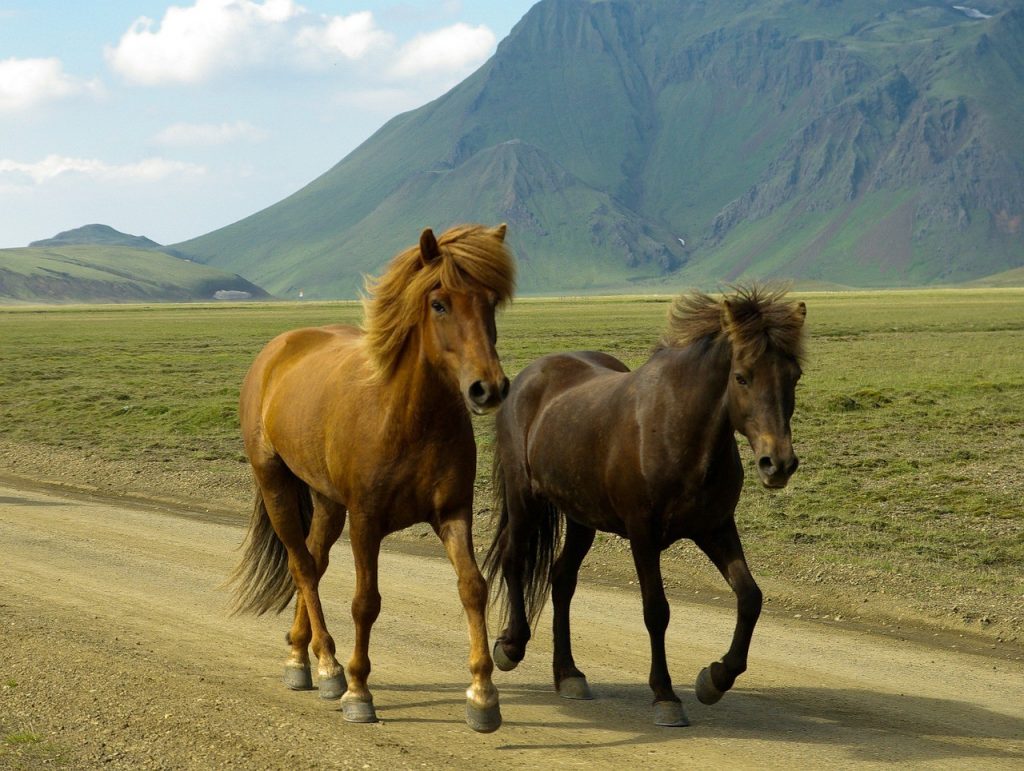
(101,273)
(679,141)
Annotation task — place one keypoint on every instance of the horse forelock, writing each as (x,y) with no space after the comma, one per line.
(758,319)
(473,258)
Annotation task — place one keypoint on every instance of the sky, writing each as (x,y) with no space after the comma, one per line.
(171,120)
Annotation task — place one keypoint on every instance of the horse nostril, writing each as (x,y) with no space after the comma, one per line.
(479,393)
(766,466)
(793,465)
(504,388)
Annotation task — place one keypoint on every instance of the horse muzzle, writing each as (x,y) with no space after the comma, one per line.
(483,396)
(775,471)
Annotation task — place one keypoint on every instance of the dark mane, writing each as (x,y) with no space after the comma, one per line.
(753,318)
(471,255)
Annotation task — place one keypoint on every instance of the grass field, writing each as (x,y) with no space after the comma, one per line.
(909,423)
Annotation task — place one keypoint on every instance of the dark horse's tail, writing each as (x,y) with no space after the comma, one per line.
(262,579)
(537,550)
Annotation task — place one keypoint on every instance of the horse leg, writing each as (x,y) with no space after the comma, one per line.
(357,702)
(668,709)
(281,491)
(483,713)
(325,528)
(570,682)
(725,550)
(510,646)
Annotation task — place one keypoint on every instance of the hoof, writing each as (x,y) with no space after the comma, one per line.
(298,678)
(575,688)
(670,713)
(484,720)
(332,687)
(357,709)
(501,661)
(707,693)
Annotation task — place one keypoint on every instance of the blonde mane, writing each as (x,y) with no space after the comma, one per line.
(472,258)
(753,318)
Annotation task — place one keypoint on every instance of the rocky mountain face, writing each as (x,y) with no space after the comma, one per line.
(645,143)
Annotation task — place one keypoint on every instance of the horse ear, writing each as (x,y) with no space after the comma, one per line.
(801,312)
(728,317)
(428,247)
(500,231)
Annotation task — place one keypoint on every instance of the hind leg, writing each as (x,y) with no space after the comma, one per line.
(283,495)
(510,646)
(725,550)
(325,528)
(569,681)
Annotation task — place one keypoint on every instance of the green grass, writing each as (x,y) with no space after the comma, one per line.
(909,421)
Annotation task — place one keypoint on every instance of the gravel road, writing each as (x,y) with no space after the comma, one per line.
(116,651)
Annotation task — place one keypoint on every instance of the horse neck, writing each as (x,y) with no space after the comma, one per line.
(418,396)
(694,383)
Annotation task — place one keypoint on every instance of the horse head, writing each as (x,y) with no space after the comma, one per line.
(766,339)
(459,334)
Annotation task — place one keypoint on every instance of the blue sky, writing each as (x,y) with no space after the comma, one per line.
(172,120)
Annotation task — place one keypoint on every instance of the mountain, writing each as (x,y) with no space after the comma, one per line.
(105,273)
(666,142)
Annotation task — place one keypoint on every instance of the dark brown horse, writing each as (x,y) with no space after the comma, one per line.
(375,423)
(649,455)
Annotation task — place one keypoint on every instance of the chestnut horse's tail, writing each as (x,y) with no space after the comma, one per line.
(262,579)
(536,551)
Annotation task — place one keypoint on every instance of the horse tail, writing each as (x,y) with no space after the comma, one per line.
(262,579)
(537,553)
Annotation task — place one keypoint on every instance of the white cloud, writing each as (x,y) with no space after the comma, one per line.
(210,38)
(453,50)
(195,43)
(352,36)
(54,166)
(208,134)
(26,83)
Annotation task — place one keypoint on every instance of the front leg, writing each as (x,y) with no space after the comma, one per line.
(483,713)
(570,682)
(357,702)
(668,709)
(725,550)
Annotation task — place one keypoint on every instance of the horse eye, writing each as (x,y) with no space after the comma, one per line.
(740,379)
(438,306)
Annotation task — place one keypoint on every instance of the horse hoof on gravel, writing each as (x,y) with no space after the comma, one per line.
(298,678)
(670,713)
(502,661)
(707,693)
(358,709)
(484,720)
(575,688)
(332,687)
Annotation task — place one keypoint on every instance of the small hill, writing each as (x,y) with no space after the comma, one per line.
(100,273)
(1007,278)
(99,235)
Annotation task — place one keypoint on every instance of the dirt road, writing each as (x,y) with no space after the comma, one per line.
(116,651)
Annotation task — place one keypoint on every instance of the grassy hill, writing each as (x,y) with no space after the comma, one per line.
(103,273)
(681,142)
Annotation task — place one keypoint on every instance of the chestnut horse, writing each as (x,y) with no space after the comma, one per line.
(374,423)
(648,455)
